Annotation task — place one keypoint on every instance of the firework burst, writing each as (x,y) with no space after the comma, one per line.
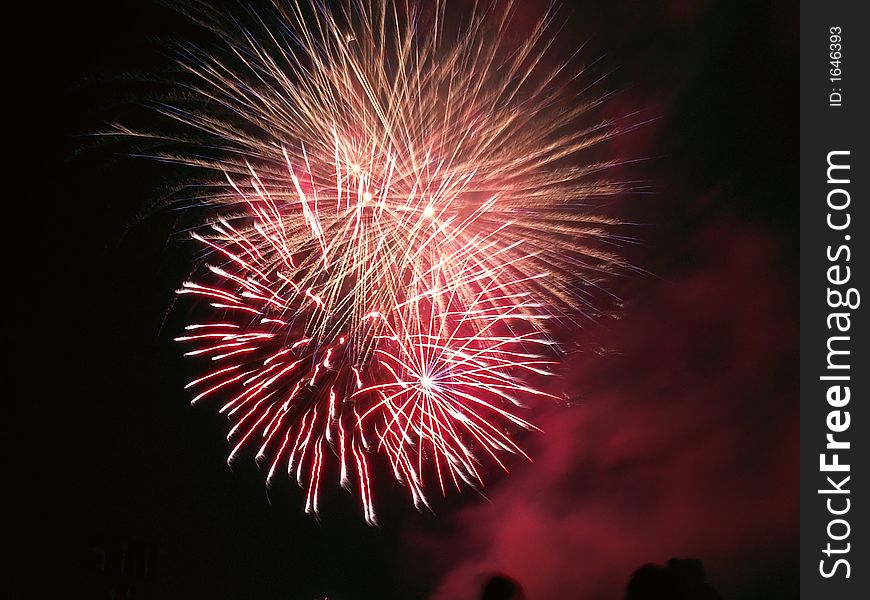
(399,211)
(451,384)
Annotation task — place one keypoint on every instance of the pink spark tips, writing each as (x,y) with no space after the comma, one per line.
(442,353)
(375,283)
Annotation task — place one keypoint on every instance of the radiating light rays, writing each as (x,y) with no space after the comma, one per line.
(400,204)
(452,383)
(291,351)
(400,105)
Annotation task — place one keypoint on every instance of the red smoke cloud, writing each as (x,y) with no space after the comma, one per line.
(683,442)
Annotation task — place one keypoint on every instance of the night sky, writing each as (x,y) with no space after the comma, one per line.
(683,437)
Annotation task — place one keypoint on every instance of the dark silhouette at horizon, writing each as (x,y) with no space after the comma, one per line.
(680,579)
(502,587)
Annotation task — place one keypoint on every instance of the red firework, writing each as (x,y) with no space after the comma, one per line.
(400,213)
